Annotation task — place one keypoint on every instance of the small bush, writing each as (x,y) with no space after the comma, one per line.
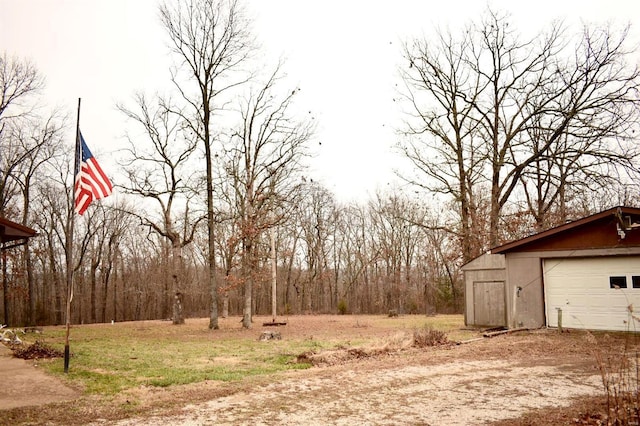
(620,372)
(428,336)
(342,307)
(412,308)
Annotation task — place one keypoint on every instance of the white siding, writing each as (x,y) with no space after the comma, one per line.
(581,288)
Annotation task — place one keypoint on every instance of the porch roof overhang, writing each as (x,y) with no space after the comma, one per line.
(13,234)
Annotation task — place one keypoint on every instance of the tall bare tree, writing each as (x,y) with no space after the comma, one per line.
(263,159)
(117,222)
(476,98)
(40,142)
(20,80)
(315,214)
(211,39)
(27,143)
(159,168)
(440,132)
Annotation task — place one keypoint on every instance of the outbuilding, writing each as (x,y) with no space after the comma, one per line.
(583,274)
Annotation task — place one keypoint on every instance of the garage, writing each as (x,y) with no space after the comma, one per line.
(585,271)
(593,293)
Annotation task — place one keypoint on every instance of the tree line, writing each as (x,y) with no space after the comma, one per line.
(503,136)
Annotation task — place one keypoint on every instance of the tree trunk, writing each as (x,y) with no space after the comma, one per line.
(225,304)
(115,288)
(274,278)
(94,278)
(248,284)
(166,299)
(213,282)
(494,215)
(105,293)
(177,275)
(55,282)
(31,287)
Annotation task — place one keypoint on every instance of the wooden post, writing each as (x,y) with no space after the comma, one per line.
(559,319)
(274,305)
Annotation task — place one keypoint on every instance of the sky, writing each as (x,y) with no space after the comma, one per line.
(344,55)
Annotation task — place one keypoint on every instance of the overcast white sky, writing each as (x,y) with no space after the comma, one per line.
(343,54)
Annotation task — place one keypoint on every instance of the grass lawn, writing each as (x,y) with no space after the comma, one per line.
(109,358)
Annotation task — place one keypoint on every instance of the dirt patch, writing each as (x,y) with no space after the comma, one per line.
(454,393)
(23,384)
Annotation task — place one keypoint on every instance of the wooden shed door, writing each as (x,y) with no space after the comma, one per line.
(489,303)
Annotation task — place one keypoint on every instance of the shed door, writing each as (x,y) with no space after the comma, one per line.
(593,293)
(489,303)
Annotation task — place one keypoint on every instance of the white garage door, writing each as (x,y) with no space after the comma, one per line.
(593,293)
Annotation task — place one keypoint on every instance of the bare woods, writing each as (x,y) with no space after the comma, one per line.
(501,135)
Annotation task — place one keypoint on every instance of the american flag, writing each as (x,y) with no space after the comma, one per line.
(91,183)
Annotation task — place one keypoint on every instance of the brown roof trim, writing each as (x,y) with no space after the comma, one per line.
(558,229)
(12,231)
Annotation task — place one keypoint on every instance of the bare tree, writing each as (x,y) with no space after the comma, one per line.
(396,223)
(39,142)
(315,215)
(212,41)
(27,143)
(116,224)
(19,79)
(359,260)
(595,162)
(440,132)
(505,88)
(25,148)
(158,170)
(263,158)
(289,243)
(229,243)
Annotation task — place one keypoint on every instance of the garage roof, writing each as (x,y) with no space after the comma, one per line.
(615,227)
(12,231)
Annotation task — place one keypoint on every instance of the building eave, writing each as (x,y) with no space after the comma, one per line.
(514,245)
(11,231)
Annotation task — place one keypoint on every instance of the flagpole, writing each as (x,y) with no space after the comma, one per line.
(69,248)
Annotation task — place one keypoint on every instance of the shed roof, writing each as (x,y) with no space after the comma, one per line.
(609,228)
(11,231)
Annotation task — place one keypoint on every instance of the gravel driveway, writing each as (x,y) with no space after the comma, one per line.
(411,392)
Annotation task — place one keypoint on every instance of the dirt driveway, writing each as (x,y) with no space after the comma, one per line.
(461,393)
(491,380)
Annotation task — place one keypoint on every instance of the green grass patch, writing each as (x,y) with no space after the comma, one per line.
(108,359)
